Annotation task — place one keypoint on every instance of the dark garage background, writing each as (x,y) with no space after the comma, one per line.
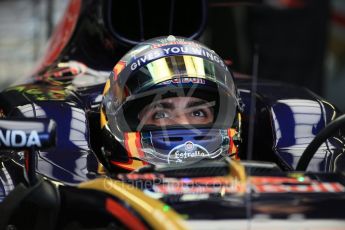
(300,41)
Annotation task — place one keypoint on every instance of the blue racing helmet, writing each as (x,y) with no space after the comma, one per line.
(169,101)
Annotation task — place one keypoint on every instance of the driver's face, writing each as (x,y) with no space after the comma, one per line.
(177,111)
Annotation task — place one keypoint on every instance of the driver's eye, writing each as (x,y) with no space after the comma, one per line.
(198,113)
(160,115)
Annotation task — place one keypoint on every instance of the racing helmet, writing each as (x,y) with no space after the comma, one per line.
(169,101)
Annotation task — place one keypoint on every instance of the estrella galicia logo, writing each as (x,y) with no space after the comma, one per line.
(189,146)
(187,152)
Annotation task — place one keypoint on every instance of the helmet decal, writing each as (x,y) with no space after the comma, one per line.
(133,147)
(118,68)
(171,50)
(189,150)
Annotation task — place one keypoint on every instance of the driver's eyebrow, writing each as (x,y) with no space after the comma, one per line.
(200,103)
(163,105)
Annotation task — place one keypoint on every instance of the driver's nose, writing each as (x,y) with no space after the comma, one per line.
(181,119)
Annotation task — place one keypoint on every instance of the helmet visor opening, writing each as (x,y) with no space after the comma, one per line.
(171,91)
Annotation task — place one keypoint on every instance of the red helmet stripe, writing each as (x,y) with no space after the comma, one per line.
(233,151)
(127,147)
(132,142)
(118,68)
